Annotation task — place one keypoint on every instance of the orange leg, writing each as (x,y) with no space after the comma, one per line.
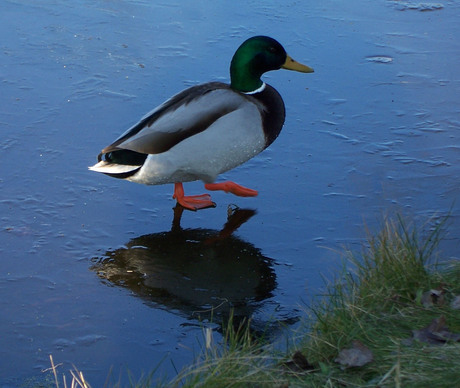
(191,202)
(231,187)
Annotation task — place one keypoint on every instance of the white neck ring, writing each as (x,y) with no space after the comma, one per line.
(258,90)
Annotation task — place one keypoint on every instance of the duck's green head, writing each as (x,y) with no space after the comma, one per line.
(256,56)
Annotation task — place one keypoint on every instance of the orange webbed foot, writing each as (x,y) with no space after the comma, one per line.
(231,187)
(191,202)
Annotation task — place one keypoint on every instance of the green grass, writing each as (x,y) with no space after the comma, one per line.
(379,305)
(379,302)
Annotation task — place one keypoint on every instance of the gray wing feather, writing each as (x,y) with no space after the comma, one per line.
(182,116)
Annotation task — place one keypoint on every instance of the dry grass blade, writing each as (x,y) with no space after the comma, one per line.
(78,380)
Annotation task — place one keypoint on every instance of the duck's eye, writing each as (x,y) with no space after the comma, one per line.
(272,49)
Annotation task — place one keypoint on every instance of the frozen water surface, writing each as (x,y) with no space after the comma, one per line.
(94,271)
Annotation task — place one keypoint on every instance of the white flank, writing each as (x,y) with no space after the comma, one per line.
(230,141)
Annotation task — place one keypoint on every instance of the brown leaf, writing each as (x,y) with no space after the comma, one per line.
(299,363)
(436,333)
(357,355)
(433,297)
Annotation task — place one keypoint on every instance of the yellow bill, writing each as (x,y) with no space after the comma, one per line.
(290,64)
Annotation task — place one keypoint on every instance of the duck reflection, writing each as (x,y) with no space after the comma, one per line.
(201,273)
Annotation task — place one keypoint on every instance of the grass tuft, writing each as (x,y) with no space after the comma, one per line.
(379,305)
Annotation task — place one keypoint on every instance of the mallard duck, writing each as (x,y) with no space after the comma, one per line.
(207,129)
